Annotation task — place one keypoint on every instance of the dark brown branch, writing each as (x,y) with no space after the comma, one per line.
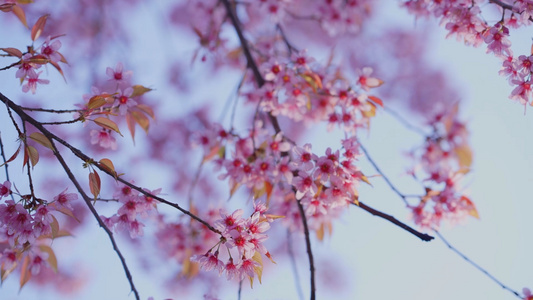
(309,251)
(476,265)
(293,266)
(96,216)
(393,220)
(55,111)
(10,66)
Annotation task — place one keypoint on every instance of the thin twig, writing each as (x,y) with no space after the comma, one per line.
(476,265)
(293,266)
(10,66)
(5,163)
(239,291)
(405,123)
(56,111)
(309,251)
(393,220)
(382,174)
(62,122)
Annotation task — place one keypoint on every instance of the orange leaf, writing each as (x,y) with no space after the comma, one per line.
(107,164)
(64,211)
(17,10)
(147,110)
(25,273)
(131,126)
(107,124)
(472,208)
(41,139)
(52,259)
(32,154)
(370,113)
(39,59)
(12,51)
(141,119)
(464,154)
(376,100)
(54,225)
(24,1)
(97,101)
(94,184)
(139,90)
(37,29)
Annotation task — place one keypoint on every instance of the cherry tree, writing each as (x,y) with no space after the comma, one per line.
(217,192)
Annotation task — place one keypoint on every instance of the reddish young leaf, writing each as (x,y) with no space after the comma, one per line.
(19,12)
(7,7)
(25,273)
(97,101)
(94,184)
(12,52)
(107,124)
(54,225)
(12,157)
(39,59)
(64,211)
(376,100)
(37,29)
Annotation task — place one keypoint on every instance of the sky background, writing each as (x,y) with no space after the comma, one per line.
(372,258)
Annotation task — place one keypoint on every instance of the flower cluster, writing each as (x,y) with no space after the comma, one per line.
(444,159)
(243,240)
(25,225)
(134,205)
(119,99)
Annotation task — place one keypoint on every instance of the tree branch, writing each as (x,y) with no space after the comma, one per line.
(393,220)
(476,265)
(309,251)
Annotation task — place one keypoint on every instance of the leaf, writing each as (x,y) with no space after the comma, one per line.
(32,154)
(268,189)
(52,259)
(320,232)
(41,139)
(464,154)
(24,1)
(212,153)
(107,164)
(370,113)
(58,68)
(94,184)
(54,225)
(12,157)
(96,102)
(147,110)
(472,208)
(234,188)
(131,126)
(270,257)
(39,59)
(376,100)
(139,90)
(274,217)
(141,119)
(107,124)
(25,273)
(7,7)
(12,52)
(258,270)
(64,211)
(37,29)
(19,12)
(5,273)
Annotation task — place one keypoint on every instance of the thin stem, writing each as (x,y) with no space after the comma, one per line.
(290,47)
(476,265)
(96,216)
(424,237)
(62,122)
(56,111)
(293,266)
(30,181)
(5,163)
(239,291)
(309,251)
(382,174)
(10,66)
(405,123)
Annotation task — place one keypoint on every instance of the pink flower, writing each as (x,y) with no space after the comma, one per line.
(50,50)
(64,199)
(527,294)
(32,81)
(103,138)
(118,74)
(124,101)
(5,189)
(497,40)
(209,261)
(26,68)
(231,270)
